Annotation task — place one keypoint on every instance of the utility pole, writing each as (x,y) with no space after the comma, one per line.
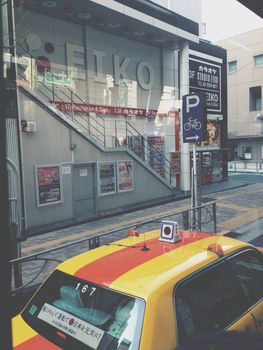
(5,237)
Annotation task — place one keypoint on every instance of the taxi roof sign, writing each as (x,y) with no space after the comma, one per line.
(169,232)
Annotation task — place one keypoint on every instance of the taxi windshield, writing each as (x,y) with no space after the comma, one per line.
(76,314)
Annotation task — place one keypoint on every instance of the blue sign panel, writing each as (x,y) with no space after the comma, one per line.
(193,118)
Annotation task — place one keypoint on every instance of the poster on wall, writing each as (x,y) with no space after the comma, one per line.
(135,143)
(125,175)
(48,183)
(213,133)
(175,159)
(106,178)
(156,153)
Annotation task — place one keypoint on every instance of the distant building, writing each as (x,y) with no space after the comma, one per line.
(245,80)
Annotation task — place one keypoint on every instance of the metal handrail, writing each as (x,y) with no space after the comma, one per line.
(94,241)
(77,111)
(95,126)
(164,163)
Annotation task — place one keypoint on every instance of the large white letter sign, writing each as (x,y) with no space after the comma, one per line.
(144,65)
(99,75)
(195,99)
(75,61)
(120,70)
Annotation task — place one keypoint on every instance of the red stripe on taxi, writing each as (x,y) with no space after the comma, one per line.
(37,343)
(110,267)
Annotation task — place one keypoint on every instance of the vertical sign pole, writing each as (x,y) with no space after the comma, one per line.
(193,132)
(177,144)
(194,182)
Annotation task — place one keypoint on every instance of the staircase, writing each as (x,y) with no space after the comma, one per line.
(34,77)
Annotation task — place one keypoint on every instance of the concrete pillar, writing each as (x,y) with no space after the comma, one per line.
(184,90)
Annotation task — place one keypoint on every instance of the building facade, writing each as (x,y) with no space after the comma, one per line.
(245,111)
(99,99)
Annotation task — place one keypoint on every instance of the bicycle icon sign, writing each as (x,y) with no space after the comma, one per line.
(192,124)
(193,118)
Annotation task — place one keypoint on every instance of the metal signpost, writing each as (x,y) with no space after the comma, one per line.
(194,121)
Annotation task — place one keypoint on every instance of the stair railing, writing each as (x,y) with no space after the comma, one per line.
(126,135)
(34,73)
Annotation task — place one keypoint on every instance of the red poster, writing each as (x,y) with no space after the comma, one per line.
(48,184)
(125,176)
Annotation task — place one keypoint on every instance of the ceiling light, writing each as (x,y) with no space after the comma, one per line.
(84,15)
(114,25)
(49,3)
(139,33)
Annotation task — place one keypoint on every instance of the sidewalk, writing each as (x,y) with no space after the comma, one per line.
(222,186)
(59,236)
(231,210)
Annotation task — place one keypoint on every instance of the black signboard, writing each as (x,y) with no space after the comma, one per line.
(206,77)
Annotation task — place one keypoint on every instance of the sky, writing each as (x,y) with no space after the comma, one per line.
(225,18)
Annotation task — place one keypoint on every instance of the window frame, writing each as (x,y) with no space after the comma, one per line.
(255,94)
(246,304)
(234,64)
(255,57)
(231,278)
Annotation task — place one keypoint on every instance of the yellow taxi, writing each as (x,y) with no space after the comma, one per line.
(149,292)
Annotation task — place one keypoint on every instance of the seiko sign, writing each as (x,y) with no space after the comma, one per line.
(144,71)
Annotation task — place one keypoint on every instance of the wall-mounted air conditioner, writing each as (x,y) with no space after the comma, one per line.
(28,126)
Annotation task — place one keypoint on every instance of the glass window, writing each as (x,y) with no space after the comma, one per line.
(255,98)
(248,268)
(258,60)
(206,303)
(76,314)
(232,67)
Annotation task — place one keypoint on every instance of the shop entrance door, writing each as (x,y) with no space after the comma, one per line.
(83,192)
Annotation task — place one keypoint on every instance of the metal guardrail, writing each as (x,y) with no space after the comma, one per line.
(245,166)
(192,218)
